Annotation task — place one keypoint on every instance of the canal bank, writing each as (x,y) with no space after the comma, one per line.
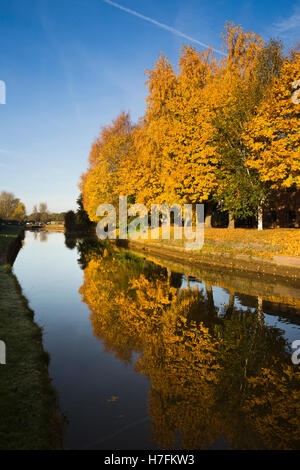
(283,266)
(28,405)
(11,237)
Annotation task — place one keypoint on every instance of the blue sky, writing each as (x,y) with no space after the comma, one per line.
(70,66)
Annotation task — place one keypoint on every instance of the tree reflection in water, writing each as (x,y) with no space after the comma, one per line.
(215,373)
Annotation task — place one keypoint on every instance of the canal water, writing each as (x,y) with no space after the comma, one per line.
(147,355)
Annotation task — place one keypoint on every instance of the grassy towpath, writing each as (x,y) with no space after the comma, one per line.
(28,403)
(273,251)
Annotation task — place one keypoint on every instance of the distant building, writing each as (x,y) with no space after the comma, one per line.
(57,222)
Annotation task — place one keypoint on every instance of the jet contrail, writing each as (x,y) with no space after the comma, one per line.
(161,25)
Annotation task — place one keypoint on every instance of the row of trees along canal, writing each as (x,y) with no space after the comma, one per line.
(13,209)
(224,132)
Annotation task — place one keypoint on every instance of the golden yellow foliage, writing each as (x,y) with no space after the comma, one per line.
(210,376)
(273,135)
(100,184)
(215,131)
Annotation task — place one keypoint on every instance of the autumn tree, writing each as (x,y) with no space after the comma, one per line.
(142,175)
(19,211)
(35,214)
(43,211)
(100,184)
(189,163)
(273,135)
(173,161)
(237,89)
(11,207)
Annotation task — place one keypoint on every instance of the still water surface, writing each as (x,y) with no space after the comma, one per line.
(144,356)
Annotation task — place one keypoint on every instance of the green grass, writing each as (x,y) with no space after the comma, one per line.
(28,403)
(29,417)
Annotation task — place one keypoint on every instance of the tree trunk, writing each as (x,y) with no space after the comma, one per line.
(297,222)
(207,222)
(260,312)
(229,310)
(260,218)
(231,222)
(208,210)
(210,298)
